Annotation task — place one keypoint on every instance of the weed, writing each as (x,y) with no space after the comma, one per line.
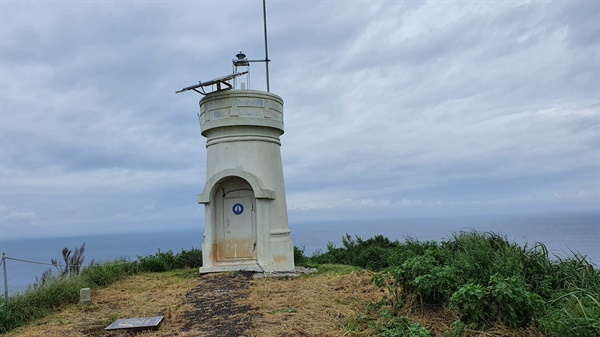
(390,325)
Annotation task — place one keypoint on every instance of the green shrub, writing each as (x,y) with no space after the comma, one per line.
(189,258)
(512,303)
(374,253)
(299,257)
(410,248)
(376,241)
(488,280)
(373,257)
(425,277)
(169,260)
(472,304)
(165,261)
(152,263)
(504,300)
(335,255)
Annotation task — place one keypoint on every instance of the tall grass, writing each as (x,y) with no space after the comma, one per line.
(575,300)
(484,277)
(40,301)
(53,292)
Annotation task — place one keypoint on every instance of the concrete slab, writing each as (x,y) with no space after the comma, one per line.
(294,273)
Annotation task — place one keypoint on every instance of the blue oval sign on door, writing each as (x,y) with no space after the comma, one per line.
(238,209)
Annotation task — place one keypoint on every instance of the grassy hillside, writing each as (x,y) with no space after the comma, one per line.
(468,285)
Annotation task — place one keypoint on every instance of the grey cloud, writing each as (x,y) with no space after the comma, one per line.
(423,106)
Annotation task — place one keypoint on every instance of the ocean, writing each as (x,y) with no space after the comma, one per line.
(561,233)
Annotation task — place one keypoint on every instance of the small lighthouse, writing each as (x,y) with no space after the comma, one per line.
(246,222)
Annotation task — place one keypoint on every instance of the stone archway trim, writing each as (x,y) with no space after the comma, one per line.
(260,192)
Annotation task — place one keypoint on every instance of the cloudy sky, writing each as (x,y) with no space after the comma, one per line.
(392,108)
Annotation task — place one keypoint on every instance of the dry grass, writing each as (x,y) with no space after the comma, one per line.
(309,306)
(233,305)
(155,294)
(306,306)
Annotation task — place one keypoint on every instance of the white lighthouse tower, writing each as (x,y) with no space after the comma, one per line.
(246,223)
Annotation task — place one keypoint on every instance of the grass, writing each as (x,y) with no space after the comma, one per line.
(469,284)
(142,295)
(55,292)
(308,305)
(340,301)
(483,278)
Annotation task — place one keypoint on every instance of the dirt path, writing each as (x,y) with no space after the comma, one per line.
(217,306)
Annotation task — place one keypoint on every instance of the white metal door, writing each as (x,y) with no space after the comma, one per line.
(238,228)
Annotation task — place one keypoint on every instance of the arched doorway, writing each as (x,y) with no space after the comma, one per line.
(235,220)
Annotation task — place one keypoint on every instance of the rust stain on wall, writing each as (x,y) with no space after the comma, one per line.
(238,249)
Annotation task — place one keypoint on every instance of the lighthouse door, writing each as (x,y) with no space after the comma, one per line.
(237,233)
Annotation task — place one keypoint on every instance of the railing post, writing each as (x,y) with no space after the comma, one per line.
(5,279)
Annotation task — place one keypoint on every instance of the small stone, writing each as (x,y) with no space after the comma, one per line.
(85,296)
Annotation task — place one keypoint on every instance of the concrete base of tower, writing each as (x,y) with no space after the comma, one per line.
(233,266)
(280,259)
(282,265)
(282,252)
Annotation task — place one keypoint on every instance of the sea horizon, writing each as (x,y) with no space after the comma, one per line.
(563,234)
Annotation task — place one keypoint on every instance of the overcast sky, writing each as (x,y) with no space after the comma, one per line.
(392,108)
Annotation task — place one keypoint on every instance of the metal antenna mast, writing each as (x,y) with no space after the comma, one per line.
(266,46)
(222,83)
